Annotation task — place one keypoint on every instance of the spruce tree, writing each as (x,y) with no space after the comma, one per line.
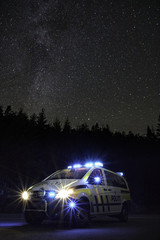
(158,127)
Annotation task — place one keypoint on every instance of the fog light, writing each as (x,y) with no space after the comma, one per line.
(72,204)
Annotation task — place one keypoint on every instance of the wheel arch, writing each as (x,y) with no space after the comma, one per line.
(126,203)
(85,200)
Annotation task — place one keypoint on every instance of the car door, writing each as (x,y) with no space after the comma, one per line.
(96,184)
(112,193)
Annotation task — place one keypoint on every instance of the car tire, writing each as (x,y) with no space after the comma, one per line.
(123,217)
(82,215)
(34,218)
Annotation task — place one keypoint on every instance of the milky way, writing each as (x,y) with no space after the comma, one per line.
(89,60)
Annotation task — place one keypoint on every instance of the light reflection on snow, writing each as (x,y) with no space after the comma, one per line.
(11,224)
(11,220)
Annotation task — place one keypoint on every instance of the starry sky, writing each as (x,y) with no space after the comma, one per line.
(88,60)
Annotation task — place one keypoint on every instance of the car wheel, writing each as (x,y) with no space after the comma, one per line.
(34,217)
(124,213)
(82,216)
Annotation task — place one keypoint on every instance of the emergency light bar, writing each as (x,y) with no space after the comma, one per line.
(77,166)
(87,165)
(98,164)
(120,173)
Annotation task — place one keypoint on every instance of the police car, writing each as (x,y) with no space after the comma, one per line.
(77,194)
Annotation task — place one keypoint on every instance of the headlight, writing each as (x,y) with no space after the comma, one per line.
(64,193)
(25,195)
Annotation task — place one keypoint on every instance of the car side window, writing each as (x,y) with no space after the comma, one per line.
(109,178)
(114,180)
(121,183)
(96,177)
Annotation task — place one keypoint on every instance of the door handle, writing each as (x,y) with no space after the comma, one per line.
(109,189)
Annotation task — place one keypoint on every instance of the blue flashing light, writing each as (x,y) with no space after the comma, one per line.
(98,164)
(97,179)
(89,165)
(86,165)
(77,166)
(72,204)
(120,174)
(51,194)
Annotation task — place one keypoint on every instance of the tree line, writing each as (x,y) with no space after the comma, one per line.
(20,123)
(31,149)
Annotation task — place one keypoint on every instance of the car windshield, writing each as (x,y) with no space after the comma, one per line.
(68,174)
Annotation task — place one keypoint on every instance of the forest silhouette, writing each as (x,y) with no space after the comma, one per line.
(31,149)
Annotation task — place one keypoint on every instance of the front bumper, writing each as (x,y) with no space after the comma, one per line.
(36,205)
(52,209)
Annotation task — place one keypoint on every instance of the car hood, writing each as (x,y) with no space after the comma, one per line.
(56,184)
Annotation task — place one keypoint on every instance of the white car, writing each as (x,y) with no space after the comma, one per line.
(77,194)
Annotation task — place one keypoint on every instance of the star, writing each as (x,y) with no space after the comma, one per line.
(78,57)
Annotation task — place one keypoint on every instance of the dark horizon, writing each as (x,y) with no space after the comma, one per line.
(21,115)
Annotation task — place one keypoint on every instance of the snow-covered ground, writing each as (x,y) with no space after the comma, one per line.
(13,227)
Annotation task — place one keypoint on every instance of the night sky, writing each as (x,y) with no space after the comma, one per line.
(88,60)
